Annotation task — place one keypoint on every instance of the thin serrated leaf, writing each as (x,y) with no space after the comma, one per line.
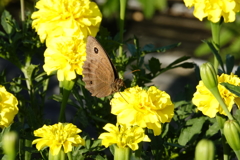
(5,22)
(162,49)
(96,143)
(232,88)
(229,63)
(179,60)
(189,132)
(236,115)
(98,157)
(2,34)
(154,65)
(237,72)
(215,52)
(87,143)
(131,49)
(148,47)
(212,130)
(30,69)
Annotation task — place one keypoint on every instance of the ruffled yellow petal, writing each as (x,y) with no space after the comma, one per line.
(57,136)
(58,17)
(214,9)
(8,107)
(207,103)
(144,108)
(66,56)
(123,136)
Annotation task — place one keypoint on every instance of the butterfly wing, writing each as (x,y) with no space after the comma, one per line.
(98,72)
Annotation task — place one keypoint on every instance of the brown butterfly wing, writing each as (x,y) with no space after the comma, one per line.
(98,72)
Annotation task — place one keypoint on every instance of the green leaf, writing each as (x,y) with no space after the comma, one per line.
(237,72)
(6,18)
(236,115)
(154,65)
(131,49)
(2,34)
(213,129)
(30,70)
(232,88)
(110,8)
(189,132)
(87,143)
(229,63)
(160,49)
(148,8)
(96,143)
(179,60)
(215,52)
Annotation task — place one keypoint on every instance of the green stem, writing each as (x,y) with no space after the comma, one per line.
(121,153)
(60,156)
(123,4)
(24,70)
(215,27)
(66,87)
(21,148)
(27,154)
(22,10)
(225,148)
(69,155)
(217,95)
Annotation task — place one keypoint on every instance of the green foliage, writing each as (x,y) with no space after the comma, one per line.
(19,45)
(110,8)
(229,40)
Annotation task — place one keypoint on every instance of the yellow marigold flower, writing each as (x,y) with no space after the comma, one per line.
(61,17)
(136,106)
(57,136)
(66,56)
(123,136)
(206,102)
(8,107)
(214,9)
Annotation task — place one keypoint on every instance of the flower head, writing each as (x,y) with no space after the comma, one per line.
(8,107)
(206,102)
(57,136)
(214,9)
(232,134)
(65,17)
(123,136)
(66,56)
(208,75)
(136,106)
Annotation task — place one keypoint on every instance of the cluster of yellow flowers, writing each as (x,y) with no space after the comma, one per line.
(136,109)
(214,9)
(65,25)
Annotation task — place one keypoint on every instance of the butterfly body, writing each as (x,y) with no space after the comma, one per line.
(99,74)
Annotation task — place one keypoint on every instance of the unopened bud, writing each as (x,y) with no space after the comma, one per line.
(204,150)
(9,142)
(208,75)
(231,131)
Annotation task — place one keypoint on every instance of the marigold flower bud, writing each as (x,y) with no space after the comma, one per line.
(208,75)
(9,141)
(231,131)
(204,150)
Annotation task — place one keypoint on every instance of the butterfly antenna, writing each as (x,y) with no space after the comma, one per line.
(133,71)
(123,97)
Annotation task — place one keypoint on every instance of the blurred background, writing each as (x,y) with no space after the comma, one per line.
(161,23)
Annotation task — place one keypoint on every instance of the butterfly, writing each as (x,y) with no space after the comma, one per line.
(99,73)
